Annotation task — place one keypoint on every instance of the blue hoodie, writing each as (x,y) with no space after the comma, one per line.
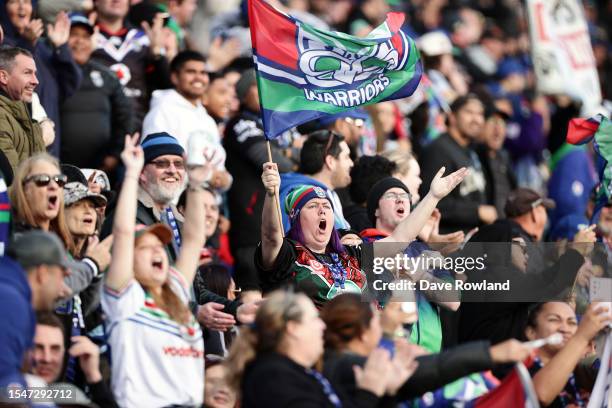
(289,181)
(572,179)
(17,321)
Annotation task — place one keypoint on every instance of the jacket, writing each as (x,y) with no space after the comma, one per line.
(20,136)
(95,119)
(433,372)
(275,381)
(245,145)
(459,208)
(58,74)
(15,296)
(127,53)
(146,214)
(166,106)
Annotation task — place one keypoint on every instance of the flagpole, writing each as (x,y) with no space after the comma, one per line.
(276,193)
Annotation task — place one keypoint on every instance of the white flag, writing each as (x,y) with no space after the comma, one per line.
(601,397)
(562,54)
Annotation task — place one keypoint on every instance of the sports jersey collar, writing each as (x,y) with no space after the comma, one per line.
(108,32)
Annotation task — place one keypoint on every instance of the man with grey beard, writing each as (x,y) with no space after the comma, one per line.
(160,184)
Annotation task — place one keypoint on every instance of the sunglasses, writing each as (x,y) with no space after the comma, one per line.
(165,164)
(43,180)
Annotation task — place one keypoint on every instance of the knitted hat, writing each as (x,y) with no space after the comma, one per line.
(299,196)
(378,190)
(160,144)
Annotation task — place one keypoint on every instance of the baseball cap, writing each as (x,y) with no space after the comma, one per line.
(81,20)
(161,231)
(75,191)
(434,44)
(35,248)
(523,200)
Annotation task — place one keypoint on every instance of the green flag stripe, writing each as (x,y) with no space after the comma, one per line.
(283,97)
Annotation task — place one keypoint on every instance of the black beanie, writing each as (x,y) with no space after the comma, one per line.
(377,191)
(160,144)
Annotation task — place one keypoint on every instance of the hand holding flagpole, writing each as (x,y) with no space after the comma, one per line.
(276,193)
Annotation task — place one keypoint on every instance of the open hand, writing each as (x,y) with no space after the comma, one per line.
(221,53)
(33,30)
(155,33)
(442,186)
(210,315)
(59,32)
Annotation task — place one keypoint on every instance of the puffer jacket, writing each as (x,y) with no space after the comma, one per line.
(20,136)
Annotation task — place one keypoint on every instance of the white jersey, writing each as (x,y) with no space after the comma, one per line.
(156,362)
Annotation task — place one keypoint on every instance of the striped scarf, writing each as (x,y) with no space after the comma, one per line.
(5,215)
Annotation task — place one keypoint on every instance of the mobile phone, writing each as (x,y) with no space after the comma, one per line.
(195,150)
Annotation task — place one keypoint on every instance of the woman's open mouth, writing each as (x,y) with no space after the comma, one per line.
(322,225)
(52,202)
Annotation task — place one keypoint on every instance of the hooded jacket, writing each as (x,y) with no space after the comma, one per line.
(20,136)
(16,297)
(167,106)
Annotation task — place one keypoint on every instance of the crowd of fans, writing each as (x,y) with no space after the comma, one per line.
(138,273)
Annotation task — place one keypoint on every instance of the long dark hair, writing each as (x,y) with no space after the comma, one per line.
(216,278)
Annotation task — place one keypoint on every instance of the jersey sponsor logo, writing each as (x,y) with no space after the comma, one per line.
(192,352)
(96,78)
(123,73)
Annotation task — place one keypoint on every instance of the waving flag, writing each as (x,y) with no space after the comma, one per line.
(601,396)
(304,73)
(516,390)
(598,129)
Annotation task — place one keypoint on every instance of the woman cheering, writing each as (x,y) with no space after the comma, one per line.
(157,347)
(312,256)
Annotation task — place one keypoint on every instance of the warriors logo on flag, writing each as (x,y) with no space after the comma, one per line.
(304,73)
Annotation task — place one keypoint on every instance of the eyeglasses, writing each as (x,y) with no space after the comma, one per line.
(165,164)
(396,196)
(43,180)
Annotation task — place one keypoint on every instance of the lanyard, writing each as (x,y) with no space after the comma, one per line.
(335,267)
(174,226)
(327,388)
(572,384)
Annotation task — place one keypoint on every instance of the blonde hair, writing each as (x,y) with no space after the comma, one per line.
(265,335)
(21,204)
(401,158)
